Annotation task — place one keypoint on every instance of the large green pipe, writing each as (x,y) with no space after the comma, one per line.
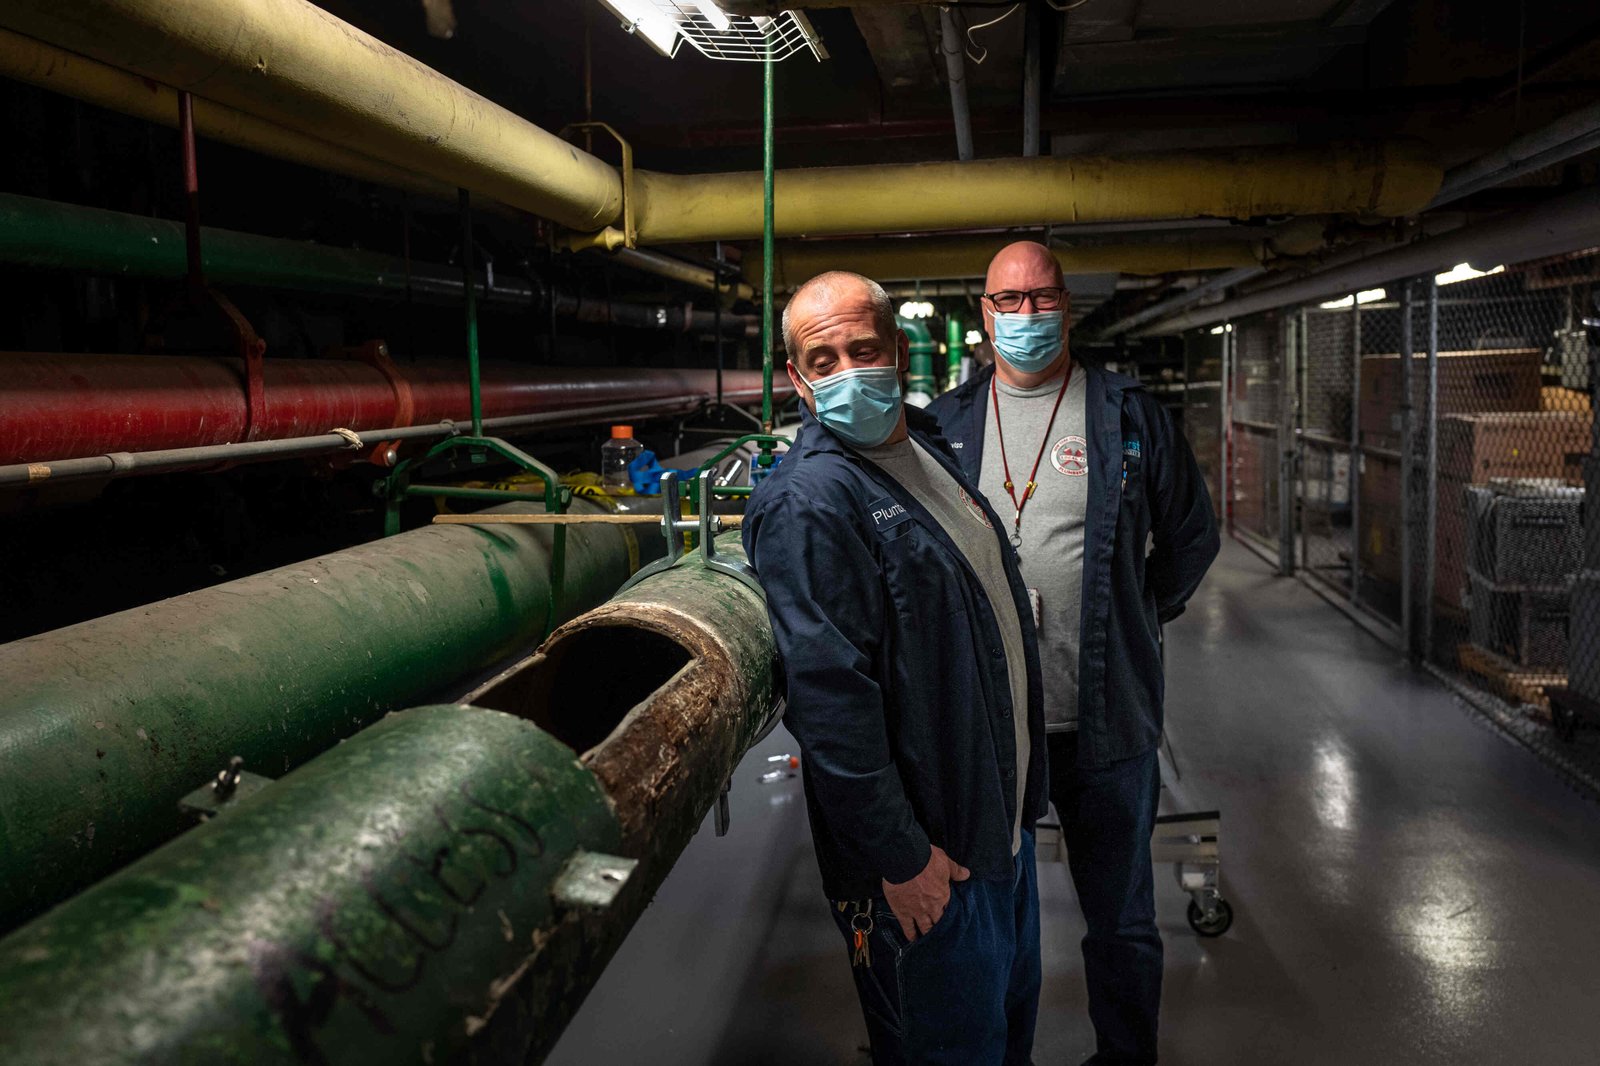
(47,235)
(414,895)
(373,906)
(105,724)
(923,349)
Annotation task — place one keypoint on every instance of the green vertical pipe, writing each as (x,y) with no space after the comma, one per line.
(469,286)
(955,347)
(766,251)
(104,725)
(920,378)
(399,899)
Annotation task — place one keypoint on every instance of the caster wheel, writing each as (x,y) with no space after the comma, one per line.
(1220,921)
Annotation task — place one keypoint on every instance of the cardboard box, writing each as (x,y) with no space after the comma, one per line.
(1527,627)
(1560,398)
(1535,444)
(1505,379)
(1378,539)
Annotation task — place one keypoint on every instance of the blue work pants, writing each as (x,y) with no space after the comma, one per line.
(1107,817)
(966,993)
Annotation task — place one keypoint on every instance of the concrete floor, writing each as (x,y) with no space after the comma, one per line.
(1409,887)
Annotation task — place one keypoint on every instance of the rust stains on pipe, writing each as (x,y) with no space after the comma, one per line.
(661,691)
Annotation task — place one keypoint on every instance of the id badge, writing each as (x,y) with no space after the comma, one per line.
(1037,604)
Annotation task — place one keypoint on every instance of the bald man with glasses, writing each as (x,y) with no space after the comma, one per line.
(1102,499)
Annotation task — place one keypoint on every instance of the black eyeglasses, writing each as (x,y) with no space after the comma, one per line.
(1007,301)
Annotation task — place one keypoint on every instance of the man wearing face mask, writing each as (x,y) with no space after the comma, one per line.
(913,689)
(1088,471)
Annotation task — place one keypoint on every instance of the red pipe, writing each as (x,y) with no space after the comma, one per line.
(65,406)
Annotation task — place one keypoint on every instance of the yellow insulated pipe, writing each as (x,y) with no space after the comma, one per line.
(1386,179)
(294,64)
(924,258)
(43,65)
(297,66)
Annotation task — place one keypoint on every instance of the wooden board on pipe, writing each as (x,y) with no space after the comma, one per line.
(728,520)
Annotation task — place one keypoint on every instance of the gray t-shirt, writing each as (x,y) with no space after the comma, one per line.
(964,522)
(1052,521)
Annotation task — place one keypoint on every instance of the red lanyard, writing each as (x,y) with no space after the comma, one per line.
(1033,484)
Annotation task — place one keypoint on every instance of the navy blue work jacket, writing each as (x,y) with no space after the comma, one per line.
(898,689)
(1144,488)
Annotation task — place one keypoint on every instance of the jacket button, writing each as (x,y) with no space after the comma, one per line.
(1010,774)
(1005,714)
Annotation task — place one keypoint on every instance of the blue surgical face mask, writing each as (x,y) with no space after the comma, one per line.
(1028,342)
(861,406)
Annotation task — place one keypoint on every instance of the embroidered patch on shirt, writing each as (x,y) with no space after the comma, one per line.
(887,513)
(973,508)
(1070,456)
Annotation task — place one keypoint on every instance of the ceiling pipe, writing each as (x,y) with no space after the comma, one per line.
(298,66)
(1174,304)
(666,266)
(54,69)
(927,258)
(49,235)
(1571,135)
(1384,179)
(176,460)
(293,64)
(955,72)
(1030,79)
(1563,224)
(66,405)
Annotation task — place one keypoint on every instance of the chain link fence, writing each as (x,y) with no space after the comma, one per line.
(1422,450)
(1255,393)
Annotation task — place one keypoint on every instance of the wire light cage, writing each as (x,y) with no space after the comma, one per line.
(666,24)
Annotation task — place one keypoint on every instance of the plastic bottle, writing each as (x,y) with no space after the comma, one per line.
(615,455)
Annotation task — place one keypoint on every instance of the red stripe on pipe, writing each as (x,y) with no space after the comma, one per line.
(64,406)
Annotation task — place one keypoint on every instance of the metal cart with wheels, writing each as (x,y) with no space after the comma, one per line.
(1189,842)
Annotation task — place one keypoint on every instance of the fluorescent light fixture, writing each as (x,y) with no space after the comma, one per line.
(916,309)
(1365,296)
(714,15)
(1218,330)
(643,19)
(1464,272)
(974,337)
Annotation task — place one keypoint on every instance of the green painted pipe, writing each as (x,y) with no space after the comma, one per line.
(955,347)
(414,895)
(923,350)
(105,724)
(47,235)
